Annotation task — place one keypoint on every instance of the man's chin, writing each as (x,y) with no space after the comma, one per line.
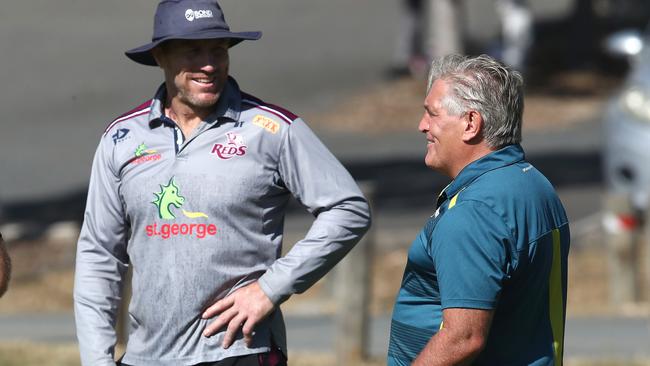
(203,102)
(430,163)
(206,103)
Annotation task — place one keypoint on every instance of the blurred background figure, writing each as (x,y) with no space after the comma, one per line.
(427,28)
(409,57)
(434,28)
(516,31)
(445,27)
(626,124)
(5,267)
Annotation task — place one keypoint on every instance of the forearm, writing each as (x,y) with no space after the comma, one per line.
(332,235)
(447,348)
(5,267)
(460,340)
(320,183)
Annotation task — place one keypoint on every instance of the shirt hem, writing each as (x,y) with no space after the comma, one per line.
(469,304)
(208,357)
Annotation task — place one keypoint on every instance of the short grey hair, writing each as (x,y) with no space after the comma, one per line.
(487,86)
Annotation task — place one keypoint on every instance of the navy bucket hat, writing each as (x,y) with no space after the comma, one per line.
(187,19)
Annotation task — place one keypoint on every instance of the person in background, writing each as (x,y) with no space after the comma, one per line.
(516,32)
(190,189)
(486,279)
(409,57)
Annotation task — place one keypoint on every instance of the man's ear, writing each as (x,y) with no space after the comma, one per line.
(473,126)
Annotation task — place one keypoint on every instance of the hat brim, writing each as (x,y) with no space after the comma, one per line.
(143,55)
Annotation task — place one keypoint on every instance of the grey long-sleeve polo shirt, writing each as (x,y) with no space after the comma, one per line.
(200,216)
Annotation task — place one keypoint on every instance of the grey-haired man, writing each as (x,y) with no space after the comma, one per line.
(486,278)
(190,190)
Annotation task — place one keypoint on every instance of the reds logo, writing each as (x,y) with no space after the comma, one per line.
(234,147)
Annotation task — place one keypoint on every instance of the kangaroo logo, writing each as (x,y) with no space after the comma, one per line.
(168,196)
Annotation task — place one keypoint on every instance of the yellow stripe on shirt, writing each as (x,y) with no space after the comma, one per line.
(452,202)
(556,303)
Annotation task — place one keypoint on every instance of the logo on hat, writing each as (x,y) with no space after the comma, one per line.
(190,14)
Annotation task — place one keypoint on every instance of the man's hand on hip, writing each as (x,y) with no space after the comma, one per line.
(243,309)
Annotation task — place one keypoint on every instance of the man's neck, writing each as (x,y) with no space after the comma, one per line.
(186,117)
(474,153)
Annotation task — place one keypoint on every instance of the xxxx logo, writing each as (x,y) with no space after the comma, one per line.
(168,198)
(234,146)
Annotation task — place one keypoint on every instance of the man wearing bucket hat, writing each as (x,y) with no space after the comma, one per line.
(190,190)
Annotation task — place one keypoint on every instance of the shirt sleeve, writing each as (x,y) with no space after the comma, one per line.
(319,181)
(101,263)
(469,251)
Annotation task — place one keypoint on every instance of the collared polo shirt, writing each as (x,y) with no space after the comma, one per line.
(200,216)
(498,240)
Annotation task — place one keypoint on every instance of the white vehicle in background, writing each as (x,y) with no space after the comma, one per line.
(626,158)
(627,122)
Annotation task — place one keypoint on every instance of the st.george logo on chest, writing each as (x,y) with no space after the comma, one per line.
(234,146)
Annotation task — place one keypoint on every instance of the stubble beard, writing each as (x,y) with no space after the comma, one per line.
(193,100)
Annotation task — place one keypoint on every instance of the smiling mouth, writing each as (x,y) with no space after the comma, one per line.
(206,81)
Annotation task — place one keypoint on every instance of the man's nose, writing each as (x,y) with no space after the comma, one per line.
(208,62)
(424,125)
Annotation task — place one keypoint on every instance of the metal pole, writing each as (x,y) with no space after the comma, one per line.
(622,228)
(352,290)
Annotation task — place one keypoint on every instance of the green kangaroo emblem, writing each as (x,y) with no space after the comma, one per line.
(168,196)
